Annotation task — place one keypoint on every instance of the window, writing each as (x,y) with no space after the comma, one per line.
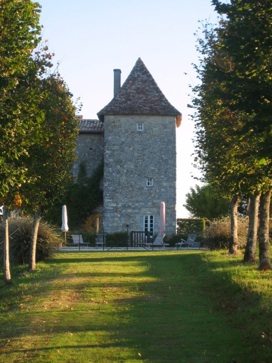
(149,224)
(149,182)
(140,126)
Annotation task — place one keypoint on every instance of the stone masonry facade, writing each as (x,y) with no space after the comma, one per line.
(135,136)
(89,147)
(131,159)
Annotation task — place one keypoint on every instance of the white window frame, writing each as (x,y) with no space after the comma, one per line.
(140,126)
(148,224)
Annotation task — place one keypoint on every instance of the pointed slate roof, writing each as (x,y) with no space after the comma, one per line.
(139,95)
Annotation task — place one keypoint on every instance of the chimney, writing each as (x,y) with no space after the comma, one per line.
(117,81)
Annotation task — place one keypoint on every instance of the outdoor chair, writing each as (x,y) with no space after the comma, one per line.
(100,240)
(159,242)
(189,243)
(78,239)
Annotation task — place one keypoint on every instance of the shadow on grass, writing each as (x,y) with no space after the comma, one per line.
(163,310)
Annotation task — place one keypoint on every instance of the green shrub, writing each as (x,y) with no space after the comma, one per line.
(218,233)
(20,230)
(186,226)
(118,239)
(88,238)
(173,239)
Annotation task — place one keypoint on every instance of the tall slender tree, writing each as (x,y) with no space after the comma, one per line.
(216,126)
(37,117)
(263,232)
(19,115)
(233,101)
(247,40)
(19,35)
(50,162)
(250,250)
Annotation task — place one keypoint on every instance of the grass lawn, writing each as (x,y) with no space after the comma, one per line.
(168,306)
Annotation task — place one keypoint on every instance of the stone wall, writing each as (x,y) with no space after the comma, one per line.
(90,150)
(130,157)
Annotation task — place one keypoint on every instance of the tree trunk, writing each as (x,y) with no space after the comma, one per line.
(250,251)
(34,237)
(233,246)
(263,233)
(7,274)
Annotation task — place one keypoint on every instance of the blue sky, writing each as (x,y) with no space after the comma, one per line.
(90,38)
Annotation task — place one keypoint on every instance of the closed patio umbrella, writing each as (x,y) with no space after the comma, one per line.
(162,219)
(64,226)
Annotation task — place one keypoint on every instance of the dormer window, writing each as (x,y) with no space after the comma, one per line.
(149,182)
(140,126)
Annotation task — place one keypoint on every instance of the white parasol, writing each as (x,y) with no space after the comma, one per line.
(162,219)
(64,226)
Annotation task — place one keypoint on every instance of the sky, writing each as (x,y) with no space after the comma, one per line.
(90,38)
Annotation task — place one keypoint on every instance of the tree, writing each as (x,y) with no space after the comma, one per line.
(38,126)
(7,274)
(19,116)
(263,232)
(247,40)
(250,250)
(50,162)
(217,143)
(206,202)
(233,122)
(19,35)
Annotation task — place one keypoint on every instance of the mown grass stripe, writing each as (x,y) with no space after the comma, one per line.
(141,306)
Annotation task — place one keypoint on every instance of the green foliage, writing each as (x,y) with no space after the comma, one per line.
(20,230)
(51,159)
(81,199)
(37,117)
(84,196)
(88,238)
(218,236)
(118,239)
(19,35)
(173,239)
(190,225)
(38,127)
(233,143)
(233,103)
(19,113)
(90,223)
(206,202)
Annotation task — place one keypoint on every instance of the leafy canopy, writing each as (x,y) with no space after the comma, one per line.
(233,101)
(19,114)
(206,202)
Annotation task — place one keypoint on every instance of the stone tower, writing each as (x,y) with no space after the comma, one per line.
(139,126)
